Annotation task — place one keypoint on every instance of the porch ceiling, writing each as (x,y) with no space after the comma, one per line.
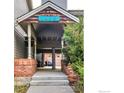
(49,35)
(49,31)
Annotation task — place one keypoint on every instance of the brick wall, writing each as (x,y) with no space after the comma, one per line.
(24,67)
(58,58)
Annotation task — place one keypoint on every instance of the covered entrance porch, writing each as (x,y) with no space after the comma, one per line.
(44,27)
(50,43)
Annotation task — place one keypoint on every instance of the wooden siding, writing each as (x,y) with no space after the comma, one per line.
(20,51)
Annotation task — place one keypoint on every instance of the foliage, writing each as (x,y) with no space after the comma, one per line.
(78,68)
(20,89)
(74,49)
(73,38)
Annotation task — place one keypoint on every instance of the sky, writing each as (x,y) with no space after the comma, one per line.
(72,4)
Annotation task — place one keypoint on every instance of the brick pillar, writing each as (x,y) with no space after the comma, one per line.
(24,67)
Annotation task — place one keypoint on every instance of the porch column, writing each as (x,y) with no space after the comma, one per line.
(62,44)
(35,49)
(53,58)
(29,41)
(62,60)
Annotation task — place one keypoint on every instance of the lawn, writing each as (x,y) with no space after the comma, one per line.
(20,89)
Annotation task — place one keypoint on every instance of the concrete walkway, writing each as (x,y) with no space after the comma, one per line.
(49,82)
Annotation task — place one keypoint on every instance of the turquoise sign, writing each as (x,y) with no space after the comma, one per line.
(49,18)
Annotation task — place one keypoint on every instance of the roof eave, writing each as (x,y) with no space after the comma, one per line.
(48,4)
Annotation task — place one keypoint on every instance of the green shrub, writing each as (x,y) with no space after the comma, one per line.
(74,50)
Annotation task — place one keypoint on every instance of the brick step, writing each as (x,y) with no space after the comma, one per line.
(49,83)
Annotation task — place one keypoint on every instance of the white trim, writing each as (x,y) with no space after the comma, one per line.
(48,4)
(29,42)
(65,13)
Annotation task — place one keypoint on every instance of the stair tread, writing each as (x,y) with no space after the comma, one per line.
(50,78)
(49,81)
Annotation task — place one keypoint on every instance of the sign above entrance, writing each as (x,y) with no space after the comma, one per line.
(49,18)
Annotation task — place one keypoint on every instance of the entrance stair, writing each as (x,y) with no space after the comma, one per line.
(49,82)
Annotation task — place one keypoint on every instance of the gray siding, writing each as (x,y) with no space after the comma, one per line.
(20,8)
(20,51)
(61,3)
(76,12)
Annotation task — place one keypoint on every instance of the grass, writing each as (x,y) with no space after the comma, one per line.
(20,89)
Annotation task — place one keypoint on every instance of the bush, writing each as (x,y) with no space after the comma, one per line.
(74,49)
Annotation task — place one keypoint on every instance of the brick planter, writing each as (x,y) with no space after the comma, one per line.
(72,77)
(24,67)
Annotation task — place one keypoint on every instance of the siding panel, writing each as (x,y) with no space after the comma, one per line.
(20,50)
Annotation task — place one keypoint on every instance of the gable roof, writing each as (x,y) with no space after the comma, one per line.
(45,5)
